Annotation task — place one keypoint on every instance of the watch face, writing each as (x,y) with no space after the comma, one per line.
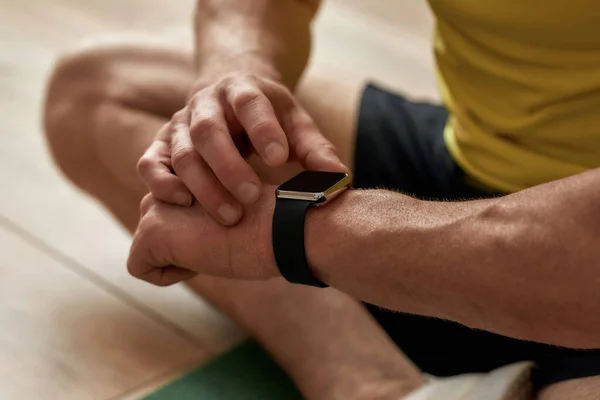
(312,181)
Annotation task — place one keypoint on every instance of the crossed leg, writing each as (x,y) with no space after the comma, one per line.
(103,108)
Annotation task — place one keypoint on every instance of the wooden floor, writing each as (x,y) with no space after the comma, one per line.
(73,323)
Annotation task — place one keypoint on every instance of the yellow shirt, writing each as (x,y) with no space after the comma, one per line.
(521,79)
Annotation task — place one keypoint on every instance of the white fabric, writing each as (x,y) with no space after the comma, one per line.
(510,382)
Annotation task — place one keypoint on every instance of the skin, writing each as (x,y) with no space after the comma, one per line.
(429,258)
(118,126)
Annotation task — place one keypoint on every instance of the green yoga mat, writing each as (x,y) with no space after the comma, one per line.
(244,373)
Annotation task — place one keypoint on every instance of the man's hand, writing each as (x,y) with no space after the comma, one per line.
(173,244)
(201,150)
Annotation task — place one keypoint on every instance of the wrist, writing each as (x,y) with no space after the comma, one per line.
(386,248)
(357,234)
(330,232)
(219,68)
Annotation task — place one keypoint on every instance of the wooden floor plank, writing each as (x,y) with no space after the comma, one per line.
(61,337)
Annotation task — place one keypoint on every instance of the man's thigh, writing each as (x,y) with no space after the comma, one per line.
(575,389)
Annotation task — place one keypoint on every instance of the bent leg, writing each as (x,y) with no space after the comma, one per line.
(574,389)
(103,108)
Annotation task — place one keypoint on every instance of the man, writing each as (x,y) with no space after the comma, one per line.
(522,86)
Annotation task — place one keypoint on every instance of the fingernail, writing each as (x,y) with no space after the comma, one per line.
(275,154)
(229,213)
(248,192)
(182,198)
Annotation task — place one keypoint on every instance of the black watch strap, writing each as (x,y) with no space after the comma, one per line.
(288,241)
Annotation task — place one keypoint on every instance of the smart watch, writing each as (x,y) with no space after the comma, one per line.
(294,197)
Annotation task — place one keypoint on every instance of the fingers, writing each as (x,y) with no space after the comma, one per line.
(254,111)
(151,270)
(212,139)
(142,262)
(154,168)
(204,154)
(194,172)
(170,241)
(158,275)
(308,145)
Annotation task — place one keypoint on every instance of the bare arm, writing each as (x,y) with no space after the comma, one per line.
(526,265)
(269,37)
(249,56)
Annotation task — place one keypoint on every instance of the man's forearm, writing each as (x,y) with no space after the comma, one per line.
(525,265)
(270,37)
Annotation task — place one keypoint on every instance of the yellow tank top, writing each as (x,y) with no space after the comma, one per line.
(521,79)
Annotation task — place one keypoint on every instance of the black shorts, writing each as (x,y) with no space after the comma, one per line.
(400,146)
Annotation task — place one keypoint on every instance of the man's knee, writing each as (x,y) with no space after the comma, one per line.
(79,84)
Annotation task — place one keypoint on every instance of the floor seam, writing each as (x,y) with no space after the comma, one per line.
(79,269)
